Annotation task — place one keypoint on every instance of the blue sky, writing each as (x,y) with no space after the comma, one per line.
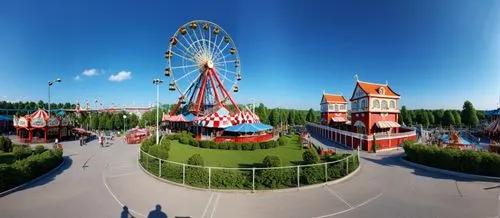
(436,54)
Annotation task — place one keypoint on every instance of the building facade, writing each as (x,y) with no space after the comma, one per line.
(374,109)
(333,110)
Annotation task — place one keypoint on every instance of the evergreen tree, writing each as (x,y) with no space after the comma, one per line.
(310,116)
(425,121)
(469,115)
(94,121)
(448,119)
(291,117)
(261,111)
(458,119)
(438,116)
(274,117)
(432,121)
(406,116)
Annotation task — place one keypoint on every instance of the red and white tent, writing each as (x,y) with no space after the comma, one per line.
(177,118)
(245,117)
(216,120)
(165,117)
(40,113)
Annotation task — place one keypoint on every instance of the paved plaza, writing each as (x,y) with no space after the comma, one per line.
(97,182)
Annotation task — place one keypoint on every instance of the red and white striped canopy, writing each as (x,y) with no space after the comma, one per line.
(165,117)
(177,118)
(216,120)
(40,113)
(245,117)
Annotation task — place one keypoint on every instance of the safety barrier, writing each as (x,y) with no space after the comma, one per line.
(244,178)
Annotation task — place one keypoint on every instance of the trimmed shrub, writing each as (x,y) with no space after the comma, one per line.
(271,161)
(213,145)
(312,174)
(277,178)
(5,144)
(21,151)
(27,169)
(148,143)
(194,143)
(39,149)
(282,141)
(227,179)
(246,146)
(255,146)
(310,156)
(205,144)
(196,159)
(468,161)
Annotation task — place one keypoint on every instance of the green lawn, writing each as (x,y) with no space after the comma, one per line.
(7,158)
(236,158)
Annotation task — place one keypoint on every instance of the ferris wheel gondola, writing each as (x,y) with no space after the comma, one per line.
(202,61)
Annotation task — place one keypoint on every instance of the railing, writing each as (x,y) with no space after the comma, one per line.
(255,178)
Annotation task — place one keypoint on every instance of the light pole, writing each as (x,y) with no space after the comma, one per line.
(252,100)
(124,121)
(50,84)
(157,83)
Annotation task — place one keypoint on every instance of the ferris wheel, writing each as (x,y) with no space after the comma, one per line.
(203,63)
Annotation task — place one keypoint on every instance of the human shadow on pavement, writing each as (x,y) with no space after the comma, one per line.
(125,213)
(157,213)
(395,160)
(67,162)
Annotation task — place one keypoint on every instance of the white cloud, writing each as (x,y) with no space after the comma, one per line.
(91,72)
(120,76)
(77,78)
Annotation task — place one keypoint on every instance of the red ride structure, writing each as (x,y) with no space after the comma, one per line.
(202,60)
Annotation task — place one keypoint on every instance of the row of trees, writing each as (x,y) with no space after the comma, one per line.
(468,116)
(276,116)
(105,120)
(32,106)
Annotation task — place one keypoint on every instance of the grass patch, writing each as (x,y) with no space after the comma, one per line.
(289,154)
(7,158)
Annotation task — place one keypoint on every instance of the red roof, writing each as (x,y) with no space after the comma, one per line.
(40,113)
(374,89)
(334,98)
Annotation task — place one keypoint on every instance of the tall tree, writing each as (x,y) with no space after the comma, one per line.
(448,119)
(469,114)
(291,117)
(274,117)
(407,118)
(261,111)
(40,104)
(94,121)
(425,121)
(310,115)
(438,116)
(458,118)
(432,121)
(118,121)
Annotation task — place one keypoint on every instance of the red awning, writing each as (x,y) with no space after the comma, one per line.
(338,119)
(387,124)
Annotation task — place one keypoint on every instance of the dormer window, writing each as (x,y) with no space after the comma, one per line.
(381,91)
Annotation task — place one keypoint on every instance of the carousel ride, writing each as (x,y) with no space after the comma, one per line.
(203,68)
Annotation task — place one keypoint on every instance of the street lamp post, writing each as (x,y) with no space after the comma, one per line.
(157,82)
(124,121)
(50,84)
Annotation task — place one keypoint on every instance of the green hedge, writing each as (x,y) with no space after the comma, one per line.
(31,167)
(238,178)
(467,161)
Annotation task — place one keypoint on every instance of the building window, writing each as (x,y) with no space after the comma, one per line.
(330,107)
(393,104)
(363,104)
(376,103)
(342,107)
(336,107)
(384,105)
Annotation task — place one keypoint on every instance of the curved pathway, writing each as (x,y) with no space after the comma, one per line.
(97,182)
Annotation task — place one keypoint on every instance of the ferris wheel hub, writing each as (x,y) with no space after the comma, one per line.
(210,64)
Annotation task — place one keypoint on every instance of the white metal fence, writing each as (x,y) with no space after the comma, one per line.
(249,178)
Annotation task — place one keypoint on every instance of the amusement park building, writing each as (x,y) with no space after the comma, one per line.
(374,116)
(333,110)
